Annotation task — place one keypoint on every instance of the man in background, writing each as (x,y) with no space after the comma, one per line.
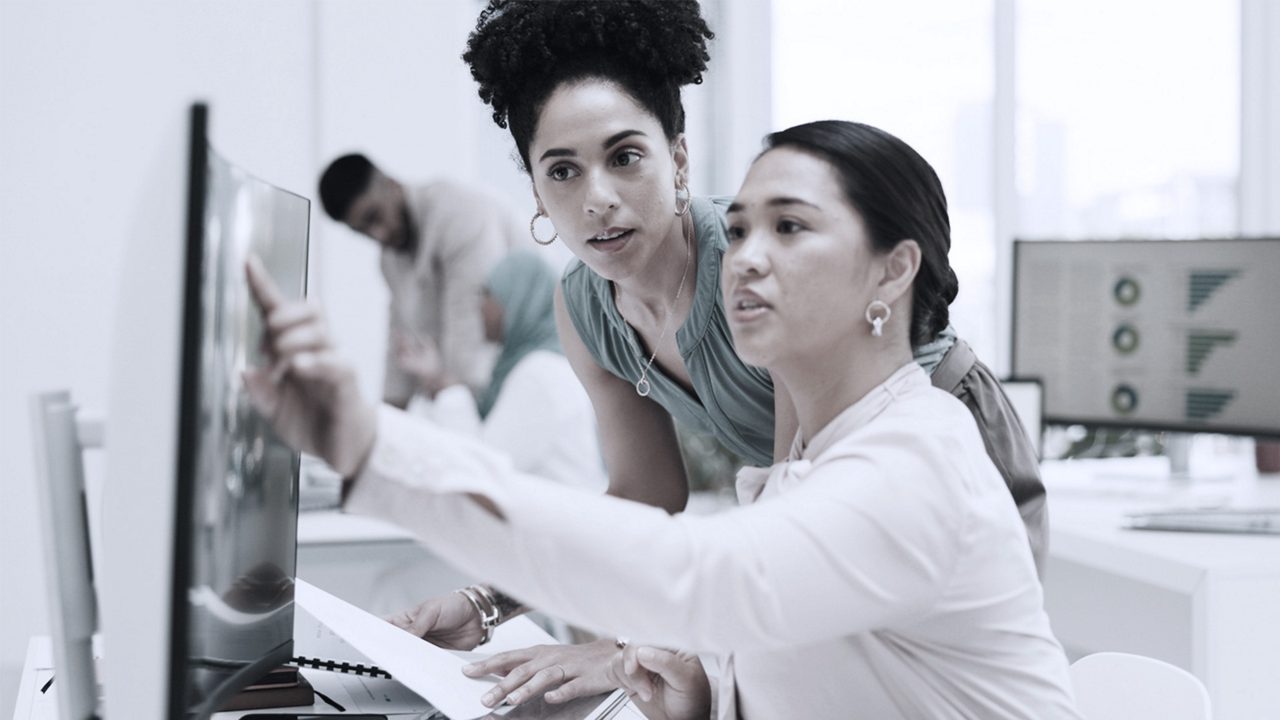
(439,241)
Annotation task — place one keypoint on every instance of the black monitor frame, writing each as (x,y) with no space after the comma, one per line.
(186,474)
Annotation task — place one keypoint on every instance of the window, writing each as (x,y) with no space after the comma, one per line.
(924,72)
(1128,118)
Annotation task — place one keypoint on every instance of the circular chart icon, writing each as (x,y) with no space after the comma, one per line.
(1126,291)
(1125,339)
(1124,399)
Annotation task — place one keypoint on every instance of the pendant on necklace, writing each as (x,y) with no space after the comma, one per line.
(642,387)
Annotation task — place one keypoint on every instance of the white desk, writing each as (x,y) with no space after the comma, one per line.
(371,564)
(1209,603)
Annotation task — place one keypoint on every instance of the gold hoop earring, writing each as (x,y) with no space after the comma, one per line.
(534,234)
(878,321)
(687,197)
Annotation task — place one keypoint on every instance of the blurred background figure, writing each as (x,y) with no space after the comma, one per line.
(438,240)
(533,409)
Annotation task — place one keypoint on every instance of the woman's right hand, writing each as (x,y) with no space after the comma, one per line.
(667,685)
(449,621)
(307,392)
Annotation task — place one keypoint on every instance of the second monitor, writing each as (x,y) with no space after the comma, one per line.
(1166,335)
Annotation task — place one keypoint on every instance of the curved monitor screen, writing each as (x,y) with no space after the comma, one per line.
(1169,334)
(236,530)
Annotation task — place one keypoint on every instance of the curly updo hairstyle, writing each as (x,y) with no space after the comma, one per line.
(899,196)
(522,50)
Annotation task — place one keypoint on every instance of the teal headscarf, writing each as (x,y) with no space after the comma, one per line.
(524,285)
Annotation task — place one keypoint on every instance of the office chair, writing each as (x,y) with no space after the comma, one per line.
(1121,686)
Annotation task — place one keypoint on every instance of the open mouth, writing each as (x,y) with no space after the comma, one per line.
(746,306)
(610,239)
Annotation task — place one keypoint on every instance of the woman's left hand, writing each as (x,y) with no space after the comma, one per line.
(559,673)
(308,393)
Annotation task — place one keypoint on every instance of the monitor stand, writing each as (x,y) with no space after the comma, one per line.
(1177,447)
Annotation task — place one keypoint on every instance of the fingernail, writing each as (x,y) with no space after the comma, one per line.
(470,668)
(514,698)
(490,698)
(645,654)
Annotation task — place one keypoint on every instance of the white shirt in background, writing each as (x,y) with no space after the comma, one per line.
(542,420)
(436,291)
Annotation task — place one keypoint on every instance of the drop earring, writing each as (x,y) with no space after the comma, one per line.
(877,320)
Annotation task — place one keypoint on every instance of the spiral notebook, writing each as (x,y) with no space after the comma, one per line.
(405,671)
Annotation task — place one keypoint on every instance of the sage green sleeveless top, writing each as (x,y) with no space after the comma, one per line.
(731,400)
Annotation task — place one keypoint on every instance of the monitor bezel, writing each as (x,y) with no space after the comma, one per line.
(188,398)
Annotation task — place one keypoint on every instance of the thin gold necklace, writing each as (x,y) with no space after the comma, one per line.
(642,387)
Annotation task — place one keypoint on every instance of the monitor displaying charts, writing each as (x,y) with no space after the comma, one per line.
(1167,335)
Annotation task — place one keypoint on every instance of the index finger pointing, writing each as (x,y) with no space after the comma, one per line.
(263,289)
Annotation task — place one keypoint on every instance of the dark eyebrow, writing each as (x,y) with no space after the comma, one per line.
(557,152)
(619,137)
(608,143)
(774,202)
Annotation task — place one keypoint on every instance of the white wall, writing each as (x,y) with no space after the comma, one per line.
(1259,117)
(84,90)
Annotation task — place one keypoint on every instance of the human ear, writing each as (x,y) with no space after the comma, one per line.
(901,265)
(537,199)
(680,158)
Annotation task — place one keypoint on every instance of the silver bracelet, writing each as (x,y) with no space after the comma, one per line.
(485,593)
(488,620)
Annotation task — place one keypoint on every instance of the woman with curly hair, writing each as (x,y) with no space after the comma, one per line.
(590,92)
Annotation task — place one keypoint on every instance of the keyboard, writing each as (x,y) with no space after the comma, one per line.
(1253,521)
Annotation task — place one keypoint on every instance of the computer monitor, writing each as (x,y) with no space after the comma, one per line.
(1176,335)
(200,506)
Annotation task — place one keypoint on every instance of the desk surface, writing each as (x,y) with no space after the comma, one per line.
(1088,500)
(1202,601)
(321,527)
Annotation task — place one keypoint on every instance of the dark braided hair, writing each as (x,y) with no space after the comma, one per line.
(899,197)
(522,50)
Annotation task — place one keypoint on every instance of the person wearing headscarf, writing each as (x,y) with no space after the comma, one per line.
(534,409)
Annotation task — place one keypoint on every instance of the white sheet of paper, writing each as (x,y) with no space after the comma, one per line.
(432,672)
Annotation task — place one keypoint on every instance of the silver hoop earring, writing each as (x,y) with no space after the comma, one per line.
(534,234)
(682,193)
(878,321)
